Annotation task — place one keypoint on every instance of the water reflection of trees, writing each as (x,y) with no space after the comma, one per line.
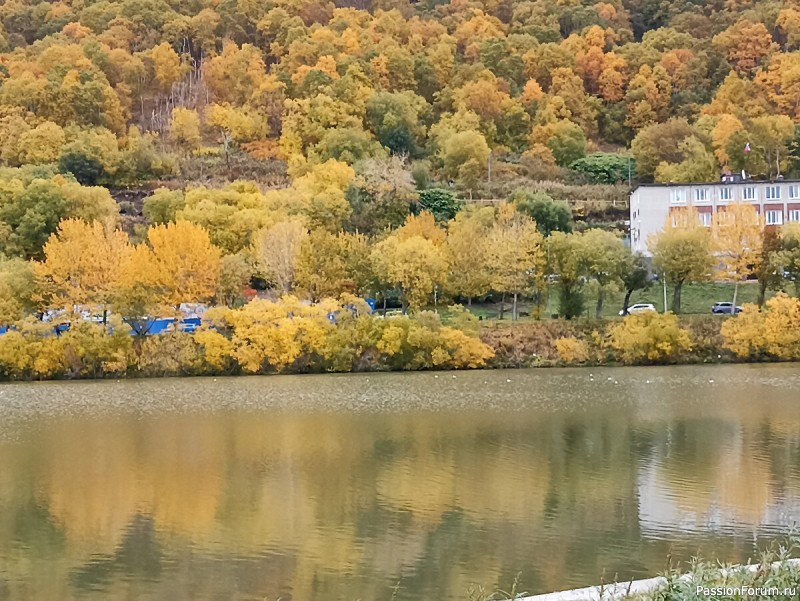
(335,506)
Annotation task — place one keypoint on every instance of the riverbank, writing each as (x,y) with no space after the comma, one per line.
(289,336)
(775,576)
(554,343)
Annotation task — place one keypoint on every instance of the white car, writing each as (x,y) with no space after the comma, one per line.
(639,308)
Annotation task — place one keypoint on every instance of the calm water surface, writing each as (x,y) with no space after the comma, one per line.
(338,487)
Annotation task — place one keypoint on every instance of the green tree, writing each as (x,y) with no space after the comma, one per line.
(348,145)
(85,168)
(550,215)
(605,167)
(567,142)
(28,215)
(440,202)
(394,118)
(660,143)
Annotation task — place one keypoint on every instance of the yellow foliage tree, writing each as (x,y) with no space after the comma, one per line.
(80,263)
(167,66)
(514,254)
(17,289)
(184,128)
(321,192)
(277,250)
(138,290)
(414,265)
(738,238)
(682,252)
(42,144)
(469,275)
(186,262)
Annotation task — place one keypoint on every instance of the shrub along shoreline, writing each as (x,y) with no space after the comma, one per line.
(290,336)
(768,335)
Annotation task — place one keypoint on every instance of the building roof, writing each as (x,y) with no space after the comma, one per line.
(716,183)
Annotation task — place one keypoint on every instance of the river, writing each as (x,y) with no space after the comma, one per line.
(343,487)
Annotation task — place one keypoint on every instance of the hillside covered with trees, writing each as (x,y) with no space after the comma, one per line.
(123,91)
(317,150)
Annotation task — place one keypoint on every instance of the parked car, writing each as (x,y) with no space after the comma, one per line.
(724,307)
(639,308)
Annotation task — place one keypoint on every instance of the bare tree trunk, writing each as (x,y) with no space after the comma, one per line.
(762,293)
(626,302)
(676,298)
(735,294)
(514,308)
(599,307)
(503,305)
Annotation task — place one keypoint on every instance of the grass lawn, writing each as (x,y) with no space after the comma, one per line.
(696,299)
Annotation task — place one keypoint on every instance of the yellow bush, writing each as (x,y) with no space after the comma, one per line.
(287,335)
(774,332)
(571,350)
(173,353)
(14,358)
(91,350)
(217,349)
(649,338)
(744,334)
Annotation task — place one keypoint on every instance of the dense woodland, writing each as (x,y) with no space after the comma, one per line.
(314,150)
(120,92)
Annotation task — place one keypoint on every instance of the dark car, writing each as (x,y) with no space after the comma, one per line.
(724,308)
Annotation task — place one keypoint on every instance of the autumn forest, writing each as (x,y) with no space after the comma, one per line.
(419,153)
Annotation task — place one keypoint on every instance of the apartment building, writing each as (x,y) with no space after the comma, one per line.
(650,204)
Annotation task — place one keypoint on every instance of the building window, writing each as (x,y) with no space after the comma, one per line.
(705,219)
(725,194)
(773,193)
(794,215)
(794,191)
(749,193)
(774,217)
(677,196)
(701,194)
